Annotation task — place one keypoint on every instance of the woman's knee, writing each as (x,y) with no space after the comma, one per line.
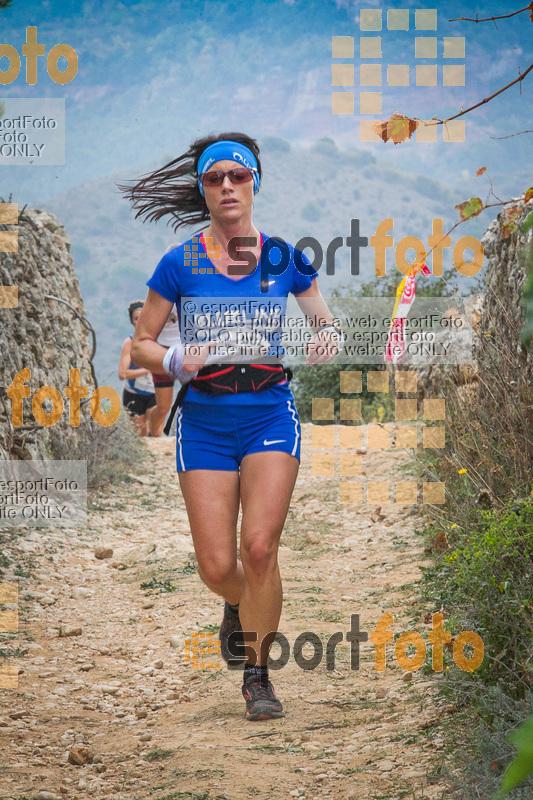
(216,573)
(259,554)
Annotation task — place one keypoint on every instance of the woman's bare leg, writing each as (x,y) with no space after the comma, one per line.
(163,397)
(266,485)
(141,424)
(212,502)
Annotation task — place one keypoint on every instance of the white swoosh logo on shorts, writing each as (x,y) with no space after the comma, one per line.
(274,441)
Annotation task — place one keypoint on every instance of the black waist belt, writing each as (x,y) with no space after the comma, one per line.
(231,379)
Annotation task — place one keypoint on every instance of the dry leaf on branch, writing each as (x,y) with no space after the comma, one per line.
(481,170)
(397,128)
(470,208)
(509,227)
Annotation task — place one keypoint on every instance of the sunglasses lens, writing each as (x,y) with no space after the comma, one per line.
(215,178)
(240,175)
(212,178)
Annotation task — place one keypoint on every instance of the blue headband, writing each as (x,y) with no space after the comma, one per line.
(227,150)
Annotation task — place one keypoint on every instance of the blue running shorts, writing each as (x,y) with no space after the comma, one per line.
(218,437)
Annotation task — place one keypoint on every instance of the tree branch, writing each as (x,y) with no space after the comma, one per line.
(492,19)
(460,222)
(485,100)
(511,135)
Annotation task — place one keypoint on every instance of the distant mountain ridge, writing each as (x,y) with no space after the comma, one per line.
(154,74)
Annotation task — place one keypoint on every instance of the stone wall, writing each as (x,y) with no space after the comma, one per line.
(42,334)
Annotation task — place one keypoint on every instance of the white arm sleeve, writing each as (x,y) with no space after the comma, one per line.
(173,364)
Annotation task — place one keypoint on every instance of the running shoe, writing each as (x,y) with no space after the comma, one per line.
(231,648)
(261,701)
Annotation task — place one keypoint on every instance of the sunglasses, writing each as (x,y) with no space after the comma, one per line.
(237,176)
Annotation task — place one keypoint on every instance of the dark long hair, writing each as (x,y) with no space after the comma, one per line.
(173,189)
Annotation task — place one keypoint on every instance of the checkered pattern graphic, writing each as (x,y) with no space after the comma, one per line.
(198,649)
(9,623)
(9,243)
(195,252)
(406,433)
(373,22)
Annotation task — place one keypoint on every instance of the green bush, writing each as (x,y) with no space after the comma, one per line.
(323,380)
(527,333)
(486,580)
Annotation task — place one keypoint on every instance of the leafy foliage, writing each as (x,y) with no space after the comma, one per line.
(470,208)
(509,226)
(527,333)
(323,380)
(522,765)
(488,577)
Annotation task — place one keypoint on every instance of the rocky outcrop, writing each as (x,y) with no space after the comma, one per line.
(503,315)
(44,334)
(497,316)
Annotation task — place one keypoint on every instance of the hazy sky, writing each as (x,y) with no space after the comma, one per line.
(154,75)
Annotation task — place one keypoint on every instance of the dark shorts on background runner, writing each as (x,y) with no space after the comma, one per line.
(137,404)
(162,380)
(216,437)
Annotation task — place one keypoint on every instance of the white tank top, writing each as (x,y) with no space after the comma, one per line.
(170,334)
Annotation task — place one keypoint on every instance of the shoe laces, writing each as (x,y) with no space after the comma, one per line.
(264,691)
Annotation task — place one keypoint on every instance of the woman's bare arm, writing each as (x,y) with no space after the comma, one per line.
(317,314)
(314,306)
(146,351)
(144,348)
(124,371)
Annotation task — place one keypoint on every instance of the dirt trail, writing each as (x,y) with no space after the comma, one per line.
(156,728)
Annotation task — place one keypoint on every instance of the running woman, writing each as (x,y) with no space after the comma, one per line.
(238,432)
(138,395)
(164,384)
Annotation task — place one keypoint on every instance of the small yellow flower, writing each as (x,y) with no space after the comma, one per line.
(462,471)
(381,412)
(454,525)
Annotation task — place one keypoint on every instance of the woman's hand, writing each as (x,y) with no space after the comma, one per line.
(323,347)
(194,357)
(183,363)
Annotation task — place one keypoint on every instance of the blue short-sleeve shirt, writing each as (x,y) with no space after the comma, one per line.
(280,271)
